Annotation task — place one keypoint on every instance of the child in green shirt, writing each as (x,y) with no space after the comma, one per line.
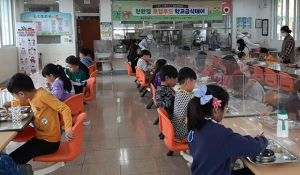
(77,76)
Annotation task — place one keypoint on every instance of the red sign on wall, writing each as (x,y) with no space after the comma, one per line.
(226,8)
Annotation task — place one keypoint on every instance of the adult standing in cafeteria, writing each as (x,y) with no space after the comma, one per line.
(288,53)
(249,44)
(213,40)
(146,41)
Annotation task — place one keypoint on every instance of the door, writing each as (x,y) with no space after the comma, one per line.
(87,32)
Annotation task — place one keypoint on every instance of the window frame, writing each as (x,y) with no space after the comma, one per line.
(13,21)
(295,26)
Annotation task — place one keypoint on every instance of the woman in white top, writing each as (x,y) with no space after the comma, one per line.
(242,47)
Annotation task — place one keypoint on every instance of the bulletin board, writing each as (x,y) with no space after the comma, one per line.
(50,23)
(244,23)
(27,48)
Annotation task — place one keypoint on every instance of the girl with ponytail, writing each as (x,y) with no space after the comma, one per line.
(61,85)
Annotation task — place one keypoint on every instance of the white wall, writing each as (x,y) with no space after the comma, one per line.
(254,9)
(8,63)
(9,56)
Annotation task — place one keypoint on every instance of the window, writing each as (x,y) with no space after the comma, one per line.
(6,23)
(287,13)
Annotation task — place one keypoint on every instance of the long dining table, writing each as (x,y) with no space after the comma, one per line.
(5,138)
(277,67)
(249,126)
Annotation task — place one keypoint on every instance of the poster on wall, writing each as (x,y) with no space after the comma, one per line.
(243,24)
(27,47)
(106,30)
(49,23)
(166,11)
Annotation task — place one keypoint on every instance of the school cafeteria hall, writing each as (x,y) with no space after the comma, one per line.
(149,87)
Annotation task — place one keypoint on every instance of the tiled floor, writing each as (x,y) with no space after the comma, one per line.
(121,139)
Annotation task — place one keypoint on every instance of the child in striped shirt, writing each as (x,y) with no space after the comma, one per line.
(187,79)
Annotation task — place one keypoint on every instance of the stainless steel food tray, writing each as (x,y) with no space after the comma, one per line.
(26,112)
(285,157)
(8,118)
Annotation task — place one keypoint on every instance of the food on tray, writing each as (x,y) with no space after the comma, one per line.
(4,115)
(291,159)
(277,150)
(26,111)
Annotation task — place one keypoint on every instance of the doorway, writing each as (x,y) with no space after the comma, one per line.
(88,30)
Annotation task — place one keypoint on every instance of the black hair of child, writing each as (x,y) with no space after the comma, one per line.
(168,71)
(145,52)
(58,72)
(85,52)
(158,65)
(241,55)
(185,74)
(20,82)
(74,62)
(242,44)
(69,58)
(264,50)
(196,112)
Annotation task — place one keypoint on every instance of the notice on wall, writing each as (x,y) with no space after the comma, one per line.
(27,47)
(166,11)
(106,30)
(243,24)
(49,23)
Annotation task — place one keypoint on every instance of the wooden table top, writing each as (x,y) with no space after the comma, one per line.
(249,126)
(5,138)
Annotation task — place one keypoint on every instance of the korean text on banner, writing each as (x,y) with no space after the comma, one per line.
(166,11)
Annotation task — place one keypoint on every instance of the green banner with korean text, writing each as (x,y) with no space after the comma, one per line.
(166,11)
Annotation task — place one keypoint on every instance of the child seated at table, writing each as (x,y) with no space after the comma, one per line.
(165,93)
(211,144)
(83,55)
(292,106)
(229,67)
(187,79)
(144,65)
(46,121)
(201,68)
(77,76)
(62,87)
(250,87)
(155,78)
(242,64)
(264,54)
(81,66)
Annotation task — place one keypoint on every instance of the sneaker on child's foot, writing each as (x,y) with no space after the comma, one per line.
(189,164)
(87,123)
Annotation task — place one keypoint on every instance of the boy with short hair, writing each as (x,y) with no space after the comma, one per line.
(77,76)
(144,65)
(81,66)
(187,79)
(46,121)
(264,54)
(83,55)
(164,94)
